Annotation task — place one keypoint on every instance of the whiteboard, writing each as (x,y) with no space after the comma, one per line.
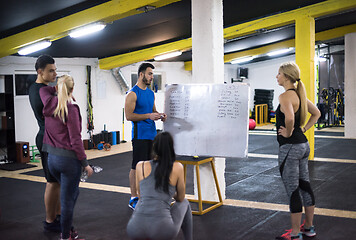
(208,119)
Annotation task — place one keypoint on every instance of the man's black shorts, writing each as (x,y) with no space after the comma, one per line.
(44,159)
(48,175)
(142,149)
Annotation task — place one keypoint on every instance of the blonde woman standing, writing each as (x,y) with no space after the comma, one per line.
(63,142)
(291,116)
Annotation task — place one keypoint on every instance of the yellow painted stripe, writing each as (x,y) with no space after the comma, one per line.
(285,208)
(228,202)
(28,178)
(335,137)
(273,133)
(331,160)
(334,160)
(105,187)
(106,12)
(259,155)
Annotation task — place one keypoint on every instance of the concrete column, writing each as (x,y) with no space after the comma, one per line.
(207,41)
(350,85)
(208,67)
(304,57)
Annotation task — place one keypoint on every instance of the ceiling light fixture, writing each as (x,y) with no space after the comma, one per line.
(86,30)
(279,52)
(242,60)
(322,59)
(168,55)
(146,8)
(34,47)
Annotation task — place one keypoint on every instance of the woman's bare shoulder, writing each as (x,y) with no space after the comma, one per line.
(177,166)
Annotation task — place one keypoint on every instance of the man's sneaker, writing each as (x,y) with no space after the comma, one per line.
(133,202)
(54,226)
(288,236)
(310,232)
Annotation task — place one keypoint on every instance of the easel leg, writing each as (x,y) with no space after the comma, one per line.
(200,202)
(216,181)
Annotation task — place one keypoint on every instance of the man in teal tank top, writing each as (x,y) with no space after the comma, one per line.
(141,110)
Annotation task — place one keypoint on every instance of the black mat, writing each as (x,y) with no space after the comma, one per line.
(15,166)
(326,133)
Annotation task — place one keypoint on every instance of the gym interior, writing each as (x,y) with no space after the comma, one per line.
(254,201)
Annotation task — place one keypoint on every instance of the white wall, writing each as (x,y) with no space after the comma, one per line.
(108,102)
(350,85)
(26,126)
(261,75)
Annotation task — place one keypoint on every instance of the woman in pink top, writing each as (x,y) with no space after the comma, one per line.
(63,142)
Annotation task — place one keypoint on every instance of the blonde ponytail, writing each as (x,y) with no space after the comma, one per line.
(292,72)
(303,102)
(65,86)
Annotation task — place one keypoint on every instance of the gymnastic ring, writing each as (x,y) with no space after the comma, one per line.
(107,146)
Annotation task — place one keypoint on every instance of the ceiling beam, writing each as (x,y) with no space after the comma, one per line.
(320,36)
(144,54)
(106,12)
(316,10)
(282,19)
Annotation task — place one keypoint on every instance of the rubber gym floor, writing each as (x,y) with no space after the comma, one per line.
(255,207)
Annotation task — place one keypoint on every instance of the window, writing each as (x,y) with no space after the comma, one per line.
(23,83)
(156,84)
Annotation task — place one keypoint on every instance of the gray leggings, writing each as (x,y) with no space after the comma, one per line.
(167,227)
(293,166)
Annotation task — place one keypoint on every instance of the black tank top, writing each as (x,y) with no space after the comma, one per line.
(297,135)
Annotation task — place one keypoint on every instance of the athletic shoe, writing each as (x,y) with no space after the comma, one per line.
(133,202)
(74,234)
(71,238)
(288,236)
(54,226)
(310,232)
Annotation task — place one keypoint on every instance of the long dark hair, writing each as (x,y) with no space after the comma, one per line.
(163,151)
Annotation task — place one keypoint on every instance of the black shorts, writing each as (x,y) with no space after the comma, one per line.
(44,160)
(142,149)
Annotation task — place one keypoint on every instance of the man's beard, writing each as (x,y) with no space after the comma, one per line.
(145,81)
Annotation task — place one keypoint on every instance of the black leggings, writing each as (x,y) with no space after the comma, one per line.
(293,166)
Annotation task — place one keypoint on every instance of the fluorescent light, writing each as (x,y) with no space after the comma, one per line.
(34,47)
(242,60)
(86,30)
(168,55)
(279,52)
(322,59)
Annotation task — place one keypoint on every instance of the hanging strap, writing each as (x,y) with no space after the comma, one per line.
(143,169)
